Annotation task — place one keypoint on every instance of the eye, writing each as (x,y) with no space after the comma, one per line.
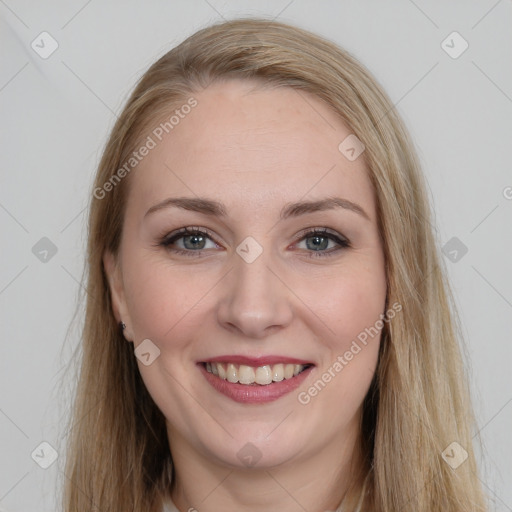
(317,242)
(189,240)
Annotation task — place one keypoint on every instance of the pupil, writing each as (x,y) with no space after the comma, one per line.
(318,242)
(194,240)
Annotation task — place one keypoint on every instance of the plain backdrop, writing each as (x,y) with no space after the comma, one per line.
(56,111)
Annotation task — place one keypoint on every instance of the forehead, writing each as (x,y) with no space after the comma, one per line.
(245,144)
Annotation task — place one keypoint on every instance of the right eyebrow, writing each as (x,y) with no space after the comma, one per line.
(201,205)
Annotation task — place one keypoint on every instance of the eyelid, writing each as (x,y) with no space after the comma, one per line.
(319,230)
(188,230)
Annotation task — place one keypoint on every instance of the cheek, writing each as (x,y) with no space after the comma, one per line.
(359,306)
(352,306)
(151,304)
(342,380)
(160,297)
(349,301)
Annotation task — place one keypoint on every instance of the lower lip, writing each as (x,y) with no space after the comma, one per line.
(252,394)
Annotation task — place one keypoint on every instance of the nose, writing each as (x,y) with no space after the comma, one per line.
(254,301)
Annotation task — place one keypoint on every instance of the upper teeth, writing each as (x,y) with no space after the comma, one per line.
(244,374)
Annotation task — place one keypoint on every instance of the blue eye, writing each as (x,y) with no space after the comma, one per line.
(320,239)
(192,241)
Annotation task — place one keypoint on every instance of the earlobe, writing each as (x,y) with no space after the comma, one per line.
(119,307)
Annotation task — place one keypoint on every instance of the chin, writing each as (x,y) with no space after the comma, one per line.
(254,449)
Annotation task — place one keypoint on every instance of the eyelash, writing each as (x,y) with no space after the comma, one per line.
(324,233)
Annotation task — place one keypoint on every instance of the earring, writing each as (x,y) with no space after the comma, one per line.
(122,326)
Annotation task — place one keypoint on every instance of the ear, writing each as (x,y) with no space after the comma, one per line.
(119,306)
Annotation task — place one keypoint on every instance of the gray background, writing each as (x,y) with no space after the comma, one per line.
(55,117)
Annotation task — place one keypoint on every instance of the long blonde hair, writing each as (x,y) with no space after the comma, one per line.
(118,456)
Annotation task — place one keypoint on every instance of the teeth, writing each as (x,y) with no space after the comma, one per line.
(261,375)
(231,373)
(278,373)
(246,374)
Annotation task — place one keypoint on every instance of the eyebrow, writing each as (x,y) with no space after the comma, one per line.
(216,209)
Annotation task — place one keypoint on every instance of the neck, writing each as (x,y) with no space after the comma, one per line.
(313,482)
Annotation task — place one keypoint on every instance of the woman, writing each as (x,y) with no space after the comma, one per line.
(268,325)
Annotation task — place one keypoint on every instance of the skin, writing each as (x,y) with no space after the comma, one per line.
(255,150)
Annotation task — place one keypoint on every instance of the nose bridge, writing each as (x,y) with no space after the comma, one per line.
(254,299)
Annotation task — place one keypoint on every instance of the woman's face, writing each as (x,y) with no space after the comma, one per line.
(256,291)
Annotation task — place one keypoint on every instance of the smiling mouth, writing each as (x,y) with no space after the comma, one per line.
(254,376)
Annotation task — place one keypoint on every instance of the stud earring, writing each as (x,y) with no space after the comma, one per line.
(122,326)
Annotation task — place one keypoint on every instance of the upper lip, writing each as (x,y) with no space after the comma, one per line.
(256,361)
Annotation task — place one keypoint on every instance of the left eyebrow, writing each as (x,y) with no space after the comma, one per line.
(301,208)
(216,209)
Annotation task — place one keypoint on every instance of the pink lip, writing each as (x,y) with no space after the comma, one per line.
(256,361)
(254,393)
